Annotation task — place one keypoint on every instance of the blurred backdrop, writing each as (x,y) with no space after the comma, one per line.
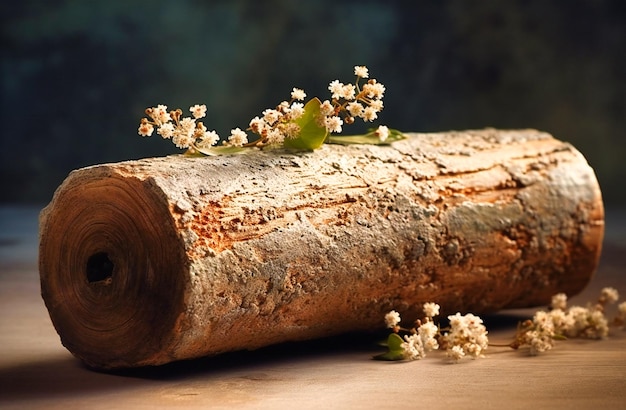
(77,74)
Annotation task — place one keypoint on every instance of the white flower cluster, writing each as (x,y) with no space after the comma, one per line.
(392,319)
(278,124)
(582,322)
(416,345)
(424,340)
(541,332)
(357,102)
(467,336)
(348,101)
(184,132)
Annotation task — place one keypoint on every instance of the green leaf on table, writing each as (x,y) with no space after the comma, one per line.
(312,135)
(395,350)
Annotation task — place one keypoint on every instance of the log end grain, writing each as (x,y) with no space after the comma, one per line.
(110,277)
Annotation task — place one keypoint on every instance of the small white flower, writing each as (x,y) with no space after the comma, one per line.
(373,89)
(457,321)
(208,139)
(182,139)
(430,309)
(160,115)
(348,92)
(355,109)
(298,94)
(361,71)
(609,295)
(369,114)
(392,319)
(383,133)
(187,124)
(336,88)
(296,110)
(428,329)
(455,353)
(326,109)
(166,130)
(198,111)
(559,301)
(257,125)
(237,137)
(333,124)
(145,129)
(283,107)
(271,116)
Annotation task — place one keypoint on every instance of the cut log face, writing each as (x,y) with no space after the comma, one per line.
(150,261)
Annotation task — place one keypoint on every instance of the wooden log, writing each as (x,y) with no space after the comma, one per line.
(150,261)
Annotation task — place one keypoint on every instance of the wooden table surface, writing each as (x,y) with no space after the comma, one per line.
(37,372)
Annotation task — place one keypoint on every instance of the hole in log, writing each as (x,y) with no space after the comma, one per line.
(99,268)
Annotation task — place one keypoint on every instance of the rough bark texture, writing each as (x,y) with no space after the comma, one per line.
(151,261)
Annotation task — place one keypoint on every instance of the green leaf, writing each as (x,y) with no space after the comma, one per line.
(311,136)
(395,352)
(370,138)
(394,342)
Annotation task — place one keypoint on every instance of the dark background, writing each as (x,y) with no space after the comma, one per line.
(76,75)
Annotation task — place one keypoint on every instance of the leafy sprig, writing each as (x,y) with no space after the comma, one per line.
(467,336)
(291,124)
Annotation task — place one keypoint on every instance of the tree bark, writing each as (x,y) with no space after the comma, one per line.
(150,261)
